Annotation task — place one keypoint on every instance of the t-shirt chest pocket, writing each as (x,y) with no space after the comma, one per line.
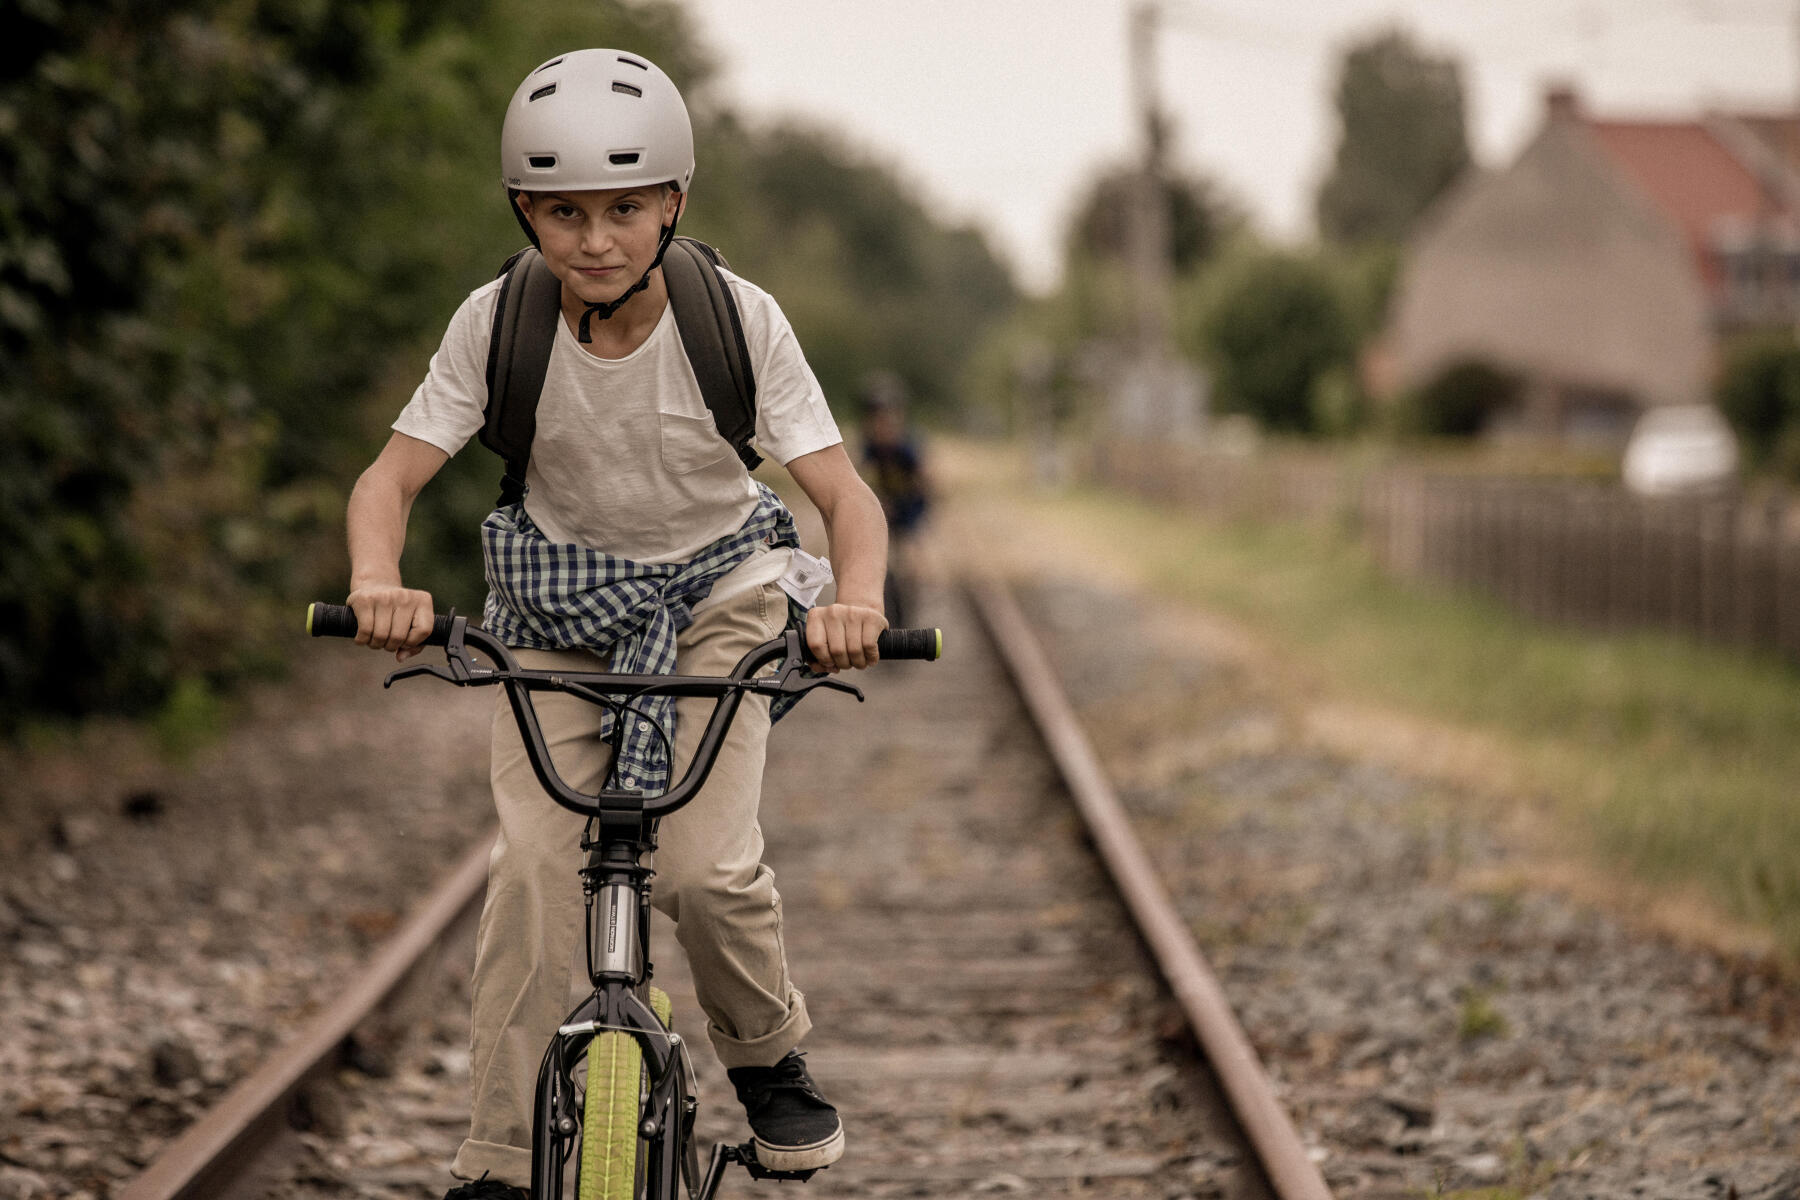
(690,443)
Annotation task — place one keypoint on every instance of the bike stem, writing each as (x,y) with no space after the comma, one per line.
(616,888)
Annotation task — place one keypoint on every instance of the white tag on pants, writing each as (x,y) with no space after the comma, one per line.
(805,577)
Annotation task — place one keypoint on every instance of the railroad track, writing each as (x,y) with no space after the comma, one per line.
(987,1011)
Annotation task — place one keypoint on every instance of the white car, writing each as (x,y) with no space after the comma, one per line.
(1680,449)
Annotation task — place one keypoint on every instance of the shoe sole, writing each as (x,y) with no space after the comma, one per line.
(801,1158)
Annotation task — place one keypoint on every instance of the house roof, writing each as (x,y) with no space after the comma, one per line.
(1779,131)
(1713,178)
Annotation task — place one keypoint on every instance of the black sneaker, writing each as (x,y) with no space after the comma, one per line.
(795,1126)
(487,1189)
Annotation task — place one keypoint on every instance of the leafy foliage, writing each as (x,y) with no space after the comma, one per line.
(230,237)
(1272,327)
(1402,140)
(866,275)
(1759,393)
(1461,399)
(1200,219)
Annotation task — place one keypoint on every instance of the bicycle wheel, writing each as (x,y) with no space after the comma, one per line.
(612,1110)
(609,1123)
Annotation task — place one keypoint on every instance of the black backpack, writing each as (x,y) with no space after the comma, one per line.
(524,330)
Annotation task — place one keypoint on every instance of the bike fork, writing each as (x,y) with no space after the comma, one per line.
(556,1123)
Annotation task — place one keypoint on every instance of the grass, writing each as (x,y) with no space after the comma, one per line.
(193,716)
(1675,763)
(1477,1017)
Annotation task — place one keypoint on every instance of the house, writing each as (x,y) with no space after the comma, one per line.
(1603,266)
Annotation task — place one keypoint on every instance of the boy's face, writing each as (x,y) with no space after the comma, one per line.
(600,242)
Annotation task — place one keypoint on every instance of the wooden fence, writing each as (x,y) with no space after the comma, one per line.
(1578,552)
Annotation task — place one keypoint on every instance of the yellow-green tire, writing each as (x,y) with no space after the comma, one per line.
(659,1004)
(609,1129)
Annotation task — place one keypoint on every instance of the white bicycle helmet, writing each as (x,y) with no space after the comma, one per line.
(596,119)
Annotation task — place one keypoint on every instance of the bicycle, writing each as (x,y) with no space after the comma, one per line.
(631,1122)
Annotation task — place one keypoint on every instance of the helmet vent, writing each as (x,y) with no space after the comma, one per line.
(632,62)
(540,162)
(627,88)
(546,66)
(549,89)
(623,160)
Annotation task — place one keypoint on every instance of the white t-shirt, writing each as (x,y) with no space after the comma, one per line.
(627,458)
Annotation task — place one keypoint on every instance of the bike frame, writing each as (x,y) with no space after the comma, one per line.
(620,837)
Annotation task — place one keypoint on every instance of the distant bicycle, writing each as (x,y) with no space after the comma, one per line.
(630,1122)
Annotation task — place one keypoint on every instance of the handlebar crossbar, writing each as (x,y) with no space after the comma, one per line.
(458,638)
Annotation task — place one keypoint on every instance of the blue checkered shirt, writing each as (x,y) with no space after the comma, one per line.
(545,595)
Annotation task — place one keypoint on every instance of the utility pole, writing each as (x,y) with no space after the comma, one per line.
(1150,213)
(1150,216)
(1154,401)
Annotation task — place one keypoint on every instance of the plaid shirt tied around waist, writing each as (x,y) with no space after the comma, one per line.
(545,595)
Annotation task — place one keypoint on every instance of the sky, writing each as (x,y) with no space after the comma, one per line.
(998,111)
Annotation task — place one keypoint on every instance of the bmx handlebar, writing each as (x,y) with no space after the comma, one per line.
(727,692)
(339,620)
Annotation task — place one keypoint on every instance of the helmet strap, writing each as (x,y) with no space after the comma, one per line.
(606,310)
(512,202)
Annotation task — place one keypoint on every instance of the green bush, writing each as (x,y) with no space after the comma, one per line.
(1461,399)
(1271,325)
(1339,407)
(1759,393)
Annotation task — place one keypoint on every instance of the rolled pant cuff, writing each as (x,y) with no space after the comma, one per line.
(766,1050)
(507,1164)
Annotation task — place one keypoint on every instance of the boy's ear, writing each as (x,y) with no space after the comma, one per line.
(674,204)
(522,202)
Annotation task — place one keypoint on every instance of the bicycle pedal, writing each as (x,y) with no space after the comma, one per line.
(746,1154)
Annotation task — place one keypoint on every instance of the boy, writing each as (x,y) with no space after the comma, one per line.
(627,473)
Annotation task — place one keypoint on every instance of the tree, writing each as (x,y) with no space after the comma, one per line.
(210,212)
(1200,219)
(231,235)
(868,276)
(1402,140)
(1272,327)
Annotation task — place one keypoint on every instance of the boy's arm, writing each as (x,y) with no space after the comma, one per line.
(843,634)
(389,615)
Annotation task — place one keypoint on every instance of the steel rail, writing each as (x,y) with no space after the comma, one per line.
(201,1163)
(1248,1090)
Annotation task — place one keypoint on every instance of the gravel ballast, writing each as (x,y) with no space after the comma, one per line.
(1435,1025)
(1437,1022)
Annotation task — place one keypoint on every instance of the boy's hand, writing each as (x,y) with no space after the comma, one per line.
(392,617)
(843,635)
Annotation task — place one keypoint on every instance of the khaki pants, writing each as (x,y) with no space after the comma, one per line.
(709,877)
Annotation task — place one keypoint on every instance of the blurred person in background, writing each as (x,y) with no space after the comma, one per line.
(894,465)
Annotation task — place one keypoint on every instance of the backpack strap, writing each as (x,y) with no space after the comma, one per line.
(712,333)
(524,331)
